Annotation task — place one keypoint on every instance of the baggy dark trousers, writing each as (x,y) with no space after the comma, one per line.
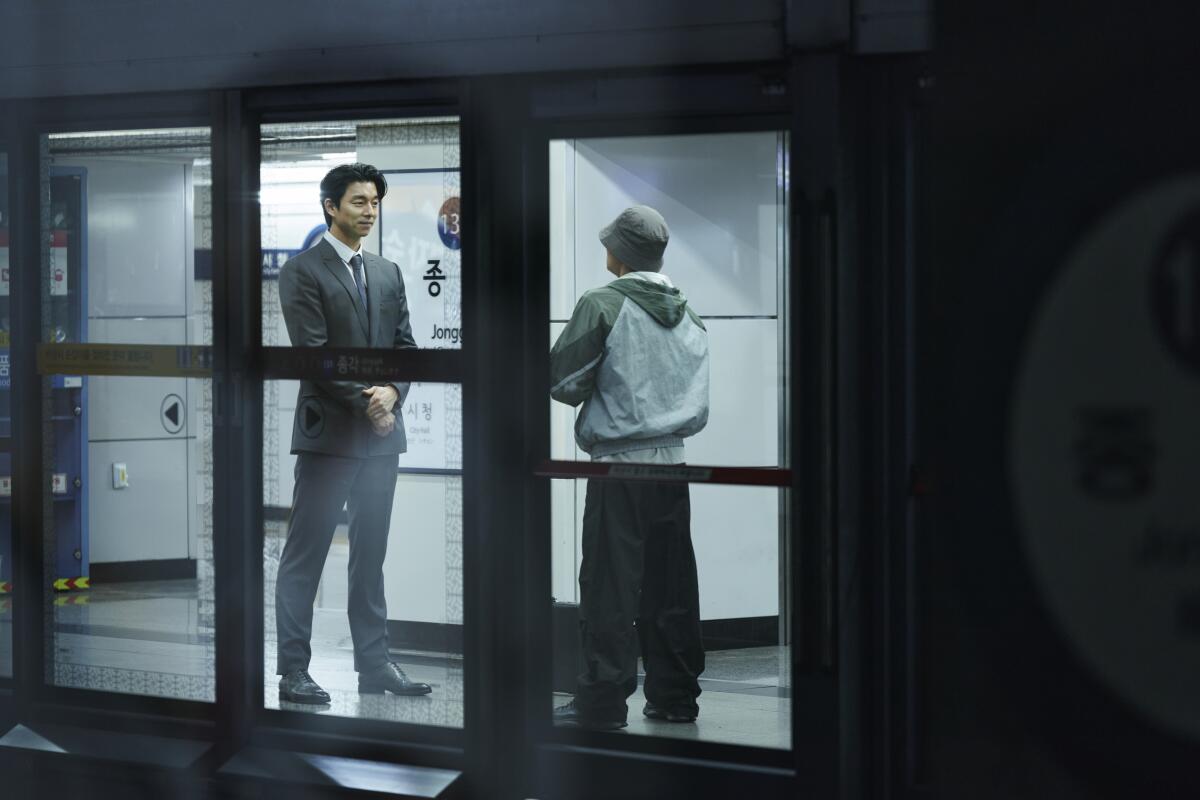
(324,484)
(638,565)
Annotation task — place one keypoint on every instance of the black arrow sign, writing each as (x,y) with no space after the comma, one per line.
(171,412)
(312,418)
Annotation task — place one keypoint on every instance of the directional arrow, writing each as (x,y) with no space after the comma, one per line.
(67,584)
(172,413)
(311,417)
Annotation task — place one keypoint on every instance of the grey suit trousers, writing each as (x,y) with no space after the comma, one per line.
(324,484)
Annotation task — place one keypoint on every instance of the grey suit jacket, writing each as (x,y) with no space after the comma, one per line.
(321,309)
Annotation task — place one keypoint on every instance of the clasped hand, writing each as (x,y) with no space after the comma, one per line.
(379,409)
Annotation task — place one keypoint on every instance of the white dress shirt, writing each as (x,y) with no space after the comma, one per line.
(345,254)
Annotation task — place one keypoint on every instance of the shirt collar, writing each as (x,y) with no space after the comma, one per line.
(649,277)
(343,250)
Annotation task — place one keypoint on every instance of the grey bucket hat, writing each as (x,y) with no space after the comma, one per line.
(638,237)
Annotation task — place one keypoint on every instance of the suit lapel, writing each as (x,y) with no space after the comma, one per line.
(342,274)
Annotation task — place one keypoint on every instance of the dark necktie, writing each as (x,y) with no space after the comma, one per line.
(356,265)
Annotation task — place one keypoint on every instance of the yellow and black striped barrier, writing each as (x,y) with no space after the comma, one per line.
(71,584)
(60,585)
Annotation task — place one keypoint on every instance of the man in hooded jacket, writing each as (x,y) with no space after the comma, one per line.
(636,357)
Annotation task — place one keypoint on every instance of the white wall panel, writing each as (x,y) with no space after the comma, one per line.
(130,407)
(286,225)
(562,417)
(562,229)
(710,189)
(146,330)
(735,533)
(564,542)
(743,410)
(149,519)
(138,236)
(289,393)
(415,568)
(140,261)
(566,514)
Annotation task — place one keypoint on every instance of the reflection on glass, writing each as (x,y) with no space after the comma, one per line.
(6,565)
(663,274)
(363,553)
(128,547)
(403,216)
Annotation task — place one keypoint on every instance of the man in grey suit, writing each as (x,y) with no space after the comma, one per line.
(346,436)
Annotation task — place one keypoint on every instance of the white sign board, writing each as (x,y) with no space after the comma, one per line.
(420,229)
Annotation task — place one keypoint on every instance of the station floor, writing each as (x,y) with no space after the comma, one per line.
(146,638)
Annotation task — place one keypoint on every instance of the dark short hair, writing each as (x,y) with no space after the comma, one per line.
(333,185)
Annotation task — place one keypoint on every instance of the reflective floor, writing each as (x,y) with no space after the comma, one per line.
(745,700)
(332,664)
(144,638)
(332,667)
(138,638)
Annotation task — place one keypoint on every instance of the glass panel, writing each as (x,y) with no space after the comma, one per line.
(128,543)
(6,565)
(638,378)
(372,580)
(404,214)
(128,539)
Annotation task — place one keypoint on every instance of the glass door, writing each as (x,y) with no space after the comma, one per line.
(669,319)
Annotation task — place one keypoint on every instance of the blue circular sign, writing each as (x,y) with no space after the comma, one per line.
(449,223)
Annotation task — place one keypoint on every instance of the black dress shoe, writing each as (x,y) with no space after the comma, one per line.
(389,678)
(569,716)
(669,714)
(298,686)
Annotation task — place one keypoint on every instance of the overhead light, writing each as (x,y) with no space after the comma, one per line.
(130,134)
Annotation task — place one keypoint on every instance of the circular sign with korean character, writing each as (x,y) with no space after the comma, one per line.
(1104,452)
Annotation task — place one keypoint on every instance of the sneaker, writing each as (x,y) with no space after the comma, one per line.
(569,716)
(669,714)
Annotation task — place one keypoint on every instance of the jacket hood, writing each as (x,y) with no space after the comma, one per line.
(666,304)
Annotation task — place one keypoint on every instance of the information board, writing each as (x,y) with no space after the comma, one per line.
(420,229)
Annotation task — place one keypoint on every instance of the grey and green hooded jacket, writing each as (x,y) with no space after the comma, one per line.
(636,356)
